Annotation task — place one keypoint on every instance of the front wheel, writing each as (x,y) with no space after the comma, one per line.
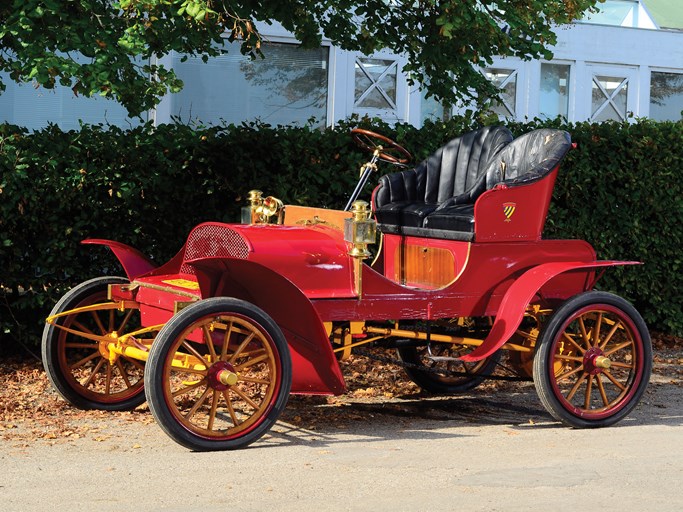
(593,360)
(218,375)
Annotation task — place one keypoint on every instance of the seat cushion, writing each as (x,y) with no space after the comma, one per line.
(404,213)
(454,218)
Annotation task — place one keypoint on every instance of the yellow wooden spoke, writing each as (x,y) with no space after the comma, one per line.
(618,348)
(99,323)
(107,381)
(596,330)
(571,340)
(619,364)
(570,373)
(253,379)
(209,344)
(214,407)
(607,339)
(575,387)
(584,333)
(123,373)
(86,359)
(92,375)
(231,409)
(198,404)
(226,342)
(188,388)
(614,380)
(252,362)
(563,357)
(603,393)
(242,346)
(194,352)
(192,370)
(589,392)
(244,397)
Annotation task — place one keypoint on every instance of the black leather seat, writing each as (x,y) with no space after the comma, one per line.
(528,158)
(454,174)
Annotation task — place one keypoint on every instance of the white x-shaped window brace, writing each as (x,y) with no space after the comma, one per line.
(511,109)
(375,84)
(609,98)
(512,76)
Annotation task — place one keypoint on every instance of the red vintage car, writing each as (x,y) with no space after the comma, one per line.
(218,337)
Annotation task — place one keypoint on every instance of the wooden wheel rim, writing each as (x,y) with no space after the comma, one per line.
(191,412)
(115,381)
(582,388)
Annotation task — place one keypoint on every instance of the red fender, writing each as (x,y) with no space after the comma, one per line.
(315,369)
(519,295)
(134,263)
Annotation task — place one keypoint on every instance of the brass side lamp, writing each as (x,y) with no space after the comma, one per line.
(360,230)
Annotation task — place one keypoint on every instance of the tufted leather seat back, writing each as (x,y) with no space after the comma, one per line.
(530,157)
(455,169)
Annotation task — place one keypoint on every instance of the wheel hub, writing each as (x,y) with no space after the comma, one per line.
(595,361)
(222,375)
(103,346)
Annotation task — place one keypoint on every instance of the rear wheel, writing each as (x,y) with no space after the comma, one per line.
(75,354)
(593,360)
(440,371)
(218,375)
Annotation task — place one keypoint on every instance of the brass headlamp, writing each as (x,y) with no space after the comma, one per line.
(261,209)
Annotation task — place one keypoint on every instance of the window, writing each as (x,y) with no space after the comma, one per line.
(666,96)
(432,109)
(554,94)
(622,13)
(375,83)
(609,98)
(34,108)
(289,86)
(506,81)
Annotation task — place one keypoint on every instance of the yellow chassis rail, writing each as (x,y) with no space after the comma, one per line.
(345,339)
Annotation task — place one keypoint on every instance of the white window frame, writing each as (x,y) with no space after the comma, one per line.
(584,93)
(346,91)
(647,85)
(522,86)
(534,87)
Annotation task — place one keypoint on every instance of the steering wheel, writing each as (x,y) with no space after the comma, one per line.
(389,151)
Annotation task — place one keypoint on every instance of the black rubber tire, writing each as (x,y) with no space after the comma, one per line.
(604,402)
(167,392)
(442,384)
(55,357)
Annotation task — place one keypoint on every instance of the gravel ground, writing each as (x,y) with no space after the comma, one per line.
(383,446)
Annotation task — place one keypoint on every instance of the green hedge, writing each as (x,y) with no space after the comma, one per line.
(620,190)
